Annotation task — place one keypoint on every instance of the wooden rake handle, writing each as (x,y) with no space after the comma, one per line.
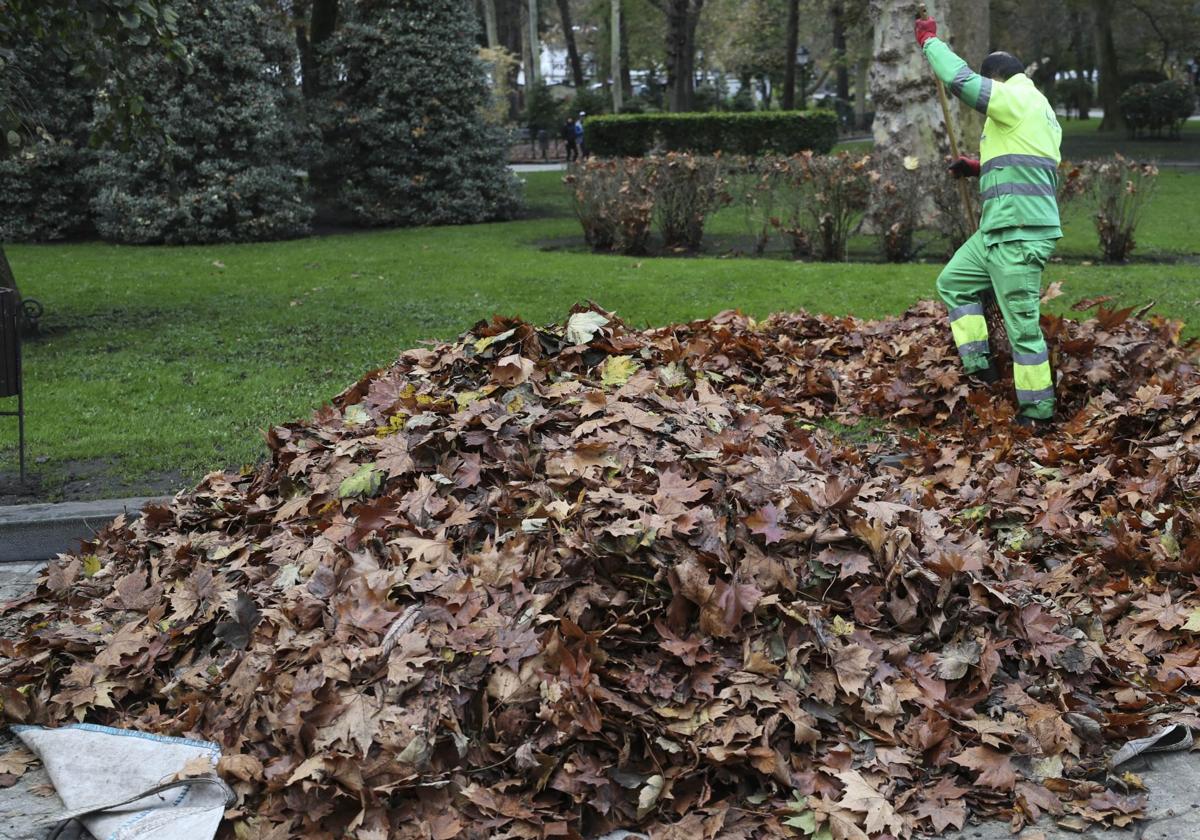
(964,191)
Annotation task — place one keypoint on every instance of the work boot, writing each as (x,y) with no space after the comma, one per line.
(1035,425)
(985,376)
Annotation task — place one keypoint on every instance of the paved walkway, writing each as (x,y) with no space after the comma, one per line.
(17,578)
(537,167)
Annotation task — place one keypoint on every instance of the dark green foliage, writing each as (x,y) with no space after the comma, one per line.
(706,99)
(784,132)
(97,40)
(591,102)
(406,140)
(223,164)
(542,110)
(742,101)
(1075,95)
(1157,109)
(42,194)
(1144,76)
(623,135)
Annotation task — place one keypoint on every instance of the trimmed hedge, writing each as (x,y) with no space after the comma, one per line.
(782,132)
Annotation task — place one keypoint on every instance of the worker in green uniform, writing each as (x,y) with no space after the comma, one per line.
(1019,229)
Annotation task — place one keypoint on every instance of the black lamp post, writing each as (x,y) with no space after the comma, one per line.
(802,57)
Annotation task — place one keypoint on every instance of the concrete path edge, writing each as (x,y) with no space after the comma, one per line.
(40,532)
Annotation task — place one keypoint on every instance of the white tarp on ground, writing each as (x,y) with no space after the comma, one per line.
(98,767)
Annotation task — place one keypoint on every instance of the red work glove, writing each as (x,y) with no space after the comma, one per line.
(965,167)
(926,28)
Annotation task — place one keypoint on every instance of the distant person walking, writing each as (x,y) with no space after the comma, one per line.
(543,139)
(568,136)
(579,135)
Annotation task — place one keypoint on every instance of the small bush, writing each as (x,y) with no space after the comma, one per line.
(687,190)
(759,186)
(950,218)
(754,133)
(895,209)
(542,110)
(1121,189)
(742,102)
(1152,110)
(789,179)
(840,187)
(1074,182)
(614,201)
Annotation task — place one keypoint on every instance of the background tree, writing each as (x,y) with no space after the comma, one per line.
(908,118)
(96,37)
(223,166)
(490,27)
(404,130)
(788,100)
(1108,86)
(568,29)
(614,34)
(533,44)
(681,17)
(43,195)
(314,22)
(751,42)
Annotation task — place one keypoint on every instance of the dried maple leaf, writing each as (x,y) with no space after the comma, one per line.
(765,522)
(862,797)
(851,663)
(994,767)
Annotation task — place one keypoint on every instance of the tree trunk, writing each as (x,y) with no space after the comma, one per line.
(615,64)
(908,118)
(533,72)
(510,30)
(1109,88)
(626,76)
(489,23)
(839,48)
(682,16)
(788,99)
(564,14)
(311,34)
(688,71)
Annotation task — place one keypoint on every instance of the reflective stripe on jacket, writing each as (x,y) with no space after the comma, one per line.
(1018,152)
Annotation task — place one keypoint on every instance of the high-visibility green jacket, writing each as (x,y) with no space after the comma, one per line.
(1018,152)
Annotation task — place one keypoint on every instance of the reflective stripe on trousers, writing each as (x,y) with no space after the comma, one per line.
(969,328)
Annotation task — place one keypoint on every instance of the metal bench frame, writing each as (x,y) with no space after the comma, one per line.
(10,323)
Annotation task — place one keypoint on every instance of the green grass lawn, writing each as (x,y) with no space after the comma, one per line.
(159,364)
(1081,140)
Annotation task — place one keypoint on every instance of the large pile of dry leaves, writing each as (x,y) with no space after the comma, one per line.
(552,582)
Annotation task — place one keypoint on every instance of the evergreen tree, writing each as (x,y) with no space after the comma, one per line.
(223,165)
(43,195)
(406,138)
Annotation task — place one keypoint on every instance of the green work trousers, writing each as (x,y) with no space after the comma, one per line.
(1012,271)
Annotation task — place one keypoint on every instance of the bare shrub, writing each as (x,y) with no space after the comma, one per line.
(1121,188)
(688,189)
(897,198)
(614,202)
